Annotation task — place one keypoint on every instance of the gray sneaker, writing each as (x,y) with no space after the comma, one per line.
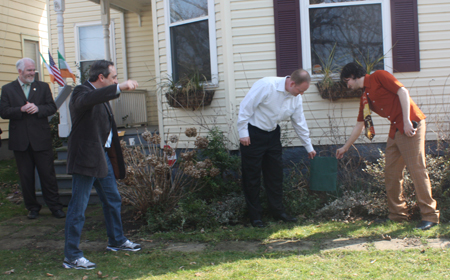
(127,246)
(81,263)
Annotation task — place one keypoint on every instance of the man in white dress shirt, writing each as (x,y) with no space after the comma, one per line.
(269,101)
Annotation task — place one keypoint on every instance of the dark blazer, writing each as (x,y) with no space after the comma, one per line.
(92,121)
(26,129)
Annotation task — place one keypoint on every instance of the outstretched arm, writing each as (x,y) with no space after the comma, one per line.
(128,85)
(355,134)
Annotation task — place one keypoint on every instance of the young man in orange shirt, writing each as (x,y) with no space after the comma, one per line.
(387,97)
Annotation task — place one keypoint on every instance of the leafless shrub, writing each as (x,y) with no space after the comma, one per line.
(373,202)
(151,182)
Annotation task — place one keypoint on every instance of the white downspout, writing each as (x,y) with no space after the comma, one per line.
(124,46)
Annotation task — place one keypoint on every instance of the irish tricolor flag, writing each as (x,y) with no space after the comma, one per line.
(55,75)
(66,72)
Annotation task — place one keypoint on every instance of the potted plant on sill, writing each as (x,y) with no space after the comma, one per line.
(189,92)
(329,87)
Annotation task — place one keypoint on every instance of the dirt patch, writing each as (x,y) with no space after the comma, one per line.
(15,243)
(47,233)
(249,246)
(290,245)
(185,247)
(355,244)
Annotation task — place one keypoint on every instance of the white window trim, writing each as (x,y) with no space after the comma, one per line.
(39,63)
(306,38)
(212,39)
(112,40)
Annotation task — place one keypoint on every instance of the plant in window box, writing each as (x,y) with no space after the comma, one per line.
(189,92)
(329,86)
(369,62)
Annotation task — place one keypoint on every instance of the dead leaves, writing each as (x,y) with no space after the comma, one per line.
(100,275)
(386,237)
(9,272)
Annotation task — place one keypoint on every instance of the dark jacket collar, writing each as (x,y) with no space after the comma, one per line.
(88,84)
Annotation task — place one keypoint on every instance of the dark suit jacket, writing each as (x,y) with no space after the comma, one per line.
(92,121)
(26,129)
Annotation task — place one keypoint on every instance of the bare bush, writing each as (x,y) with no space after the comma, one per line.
(373,201)
(152,183)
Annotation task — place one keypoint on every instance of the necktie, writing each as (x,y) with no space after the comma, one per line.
(26,90)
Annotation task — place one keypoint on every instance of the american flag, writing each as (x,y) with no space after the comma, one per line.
(55,70)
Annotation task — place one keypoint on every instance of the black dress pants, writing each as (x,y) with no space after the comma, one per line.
(27,161)
(263,154)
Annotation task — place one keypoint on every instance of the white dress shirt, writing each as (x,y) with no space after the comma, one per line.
(267,104)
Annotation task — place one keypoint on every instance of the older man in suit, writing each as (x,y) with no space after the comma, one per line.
(95,159)
(28,104)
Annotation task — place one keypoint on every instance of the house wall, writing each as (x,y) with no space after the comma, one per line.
(141,58)
(78,12)
(175,121)
(138,43)
(246,53)
(20,19)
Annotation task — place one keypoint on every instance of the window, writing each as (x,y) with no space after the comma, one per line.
(399,27)
(91,46)
(344,31)
(31,50)
(192,41)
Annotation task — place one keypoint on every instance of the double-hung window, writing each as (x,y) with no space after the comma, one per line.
(342,31)
(310,33)
(192,41)
(90,45)
(30,49)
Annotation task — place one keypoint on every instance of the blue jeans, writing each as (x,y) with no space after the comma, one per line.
(111,202)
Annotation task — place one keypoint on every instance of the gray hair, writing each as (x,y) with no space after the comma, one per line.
(20,64)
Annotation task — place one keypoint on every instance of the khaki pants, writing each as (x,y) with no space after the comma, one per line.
(410,152)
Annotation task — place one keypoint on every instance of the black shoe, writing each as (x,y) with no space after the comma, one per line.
(424,225)
(33,214)
(285,218)
(59,214)
(258,224)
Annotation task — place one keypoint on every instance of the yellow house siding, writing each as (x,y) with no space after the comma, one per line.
(246,53)
(79,12)
(175,120)
(138,41)
(18,20)
(254,56)
(141,59)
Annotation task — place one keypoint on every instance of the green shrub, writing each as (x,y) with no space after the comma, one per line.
(231,209)
(297,198)
(228,164)
(54,132)
(442,193)
(190,213)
